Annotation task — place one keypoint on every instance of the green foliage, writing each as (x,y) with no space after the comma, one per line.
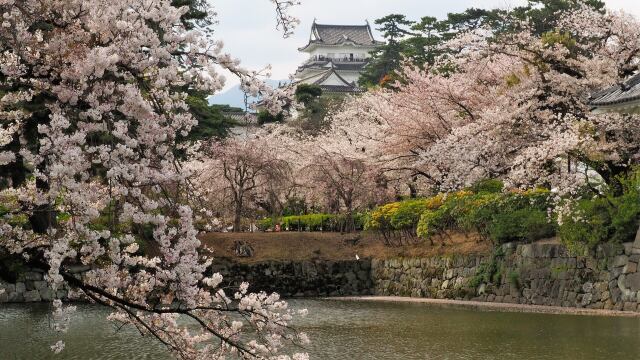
(387,58)
(543,15)
(265,117)
(500,217)
(11,265)
(313,118)
(420,41)
(607,218)
(520,225)
(294,206)
(489,272)
(493,186)
(401,215)
(514,279)
(266,224)
(196,14)
(432,223)
(212,121)
(307,93)
(315,222)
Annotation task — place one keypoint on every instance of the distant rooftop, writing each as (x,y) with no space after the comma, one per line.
(621,94)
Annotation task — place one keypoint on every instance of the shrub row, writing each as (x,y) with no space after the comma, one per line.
(483,209)
(401,215)
(499,217)
(315,222)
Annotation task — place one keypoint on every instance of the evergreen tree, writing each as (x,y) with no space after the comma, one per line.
(387,58)
(419,41)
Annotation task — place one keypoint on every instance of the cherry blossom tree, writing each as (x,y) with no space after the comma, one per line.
(238,172)
(511,105)
(92,103)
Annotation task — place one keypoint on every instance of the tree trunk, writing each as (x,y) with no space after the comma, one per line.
(237,218)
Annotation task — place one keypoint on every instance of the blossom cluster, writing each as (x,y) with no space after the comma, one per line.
(93,106)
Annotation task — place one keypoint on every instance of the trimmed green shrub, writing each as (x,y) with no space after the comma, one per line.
(401,215)
(317,222)
(608,218)
(520,225)
(499,217)
(266,224)
(594,221)
(493,186)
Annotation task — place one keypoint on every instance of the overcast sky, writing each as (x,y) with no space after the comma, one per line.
(247,26)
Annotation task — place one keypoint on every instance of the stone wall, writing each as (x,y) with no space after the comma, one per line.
(539,274)
(302,278)
(29,286)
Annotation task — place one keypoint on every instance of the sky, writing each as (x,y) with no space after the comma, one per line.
(247,27)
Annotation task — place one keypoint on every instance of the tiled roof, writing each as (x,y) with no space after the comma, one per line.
(341,89)
(339,34)
(346,87)
(328,74)
(336,34)
(619,94)
(346,66)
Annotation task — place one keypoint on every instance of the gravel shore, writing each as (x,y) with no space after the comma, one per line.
(487,306)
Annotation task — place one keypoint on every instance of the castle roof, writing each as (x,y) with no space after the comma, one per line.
(331,81)
(341,34)
(620,94)
(340,66)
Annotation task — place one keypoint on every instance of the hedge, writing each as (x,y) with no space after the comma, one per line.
(315,222)
(499,217)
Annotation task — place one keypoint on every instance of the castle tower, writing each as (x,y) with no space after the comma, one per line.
(337,56)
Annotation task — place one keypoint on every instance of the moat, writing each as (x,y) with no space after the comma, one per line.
(353,330)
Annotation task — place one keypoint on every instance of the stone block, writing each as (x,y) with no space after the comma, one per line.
(482,289)
(627,248)
(9,288)
(608,305)
(616,272)
(610,250)
(632,281)
(449,274)
(620,260)
(445,284)
(16,297)
(20,287)
(631,267)
(527,251)
(33,276)
(630,306)
(601,287)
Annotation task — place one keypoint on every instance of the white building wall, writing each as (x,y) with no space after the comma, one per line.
(350,76)
(341,51)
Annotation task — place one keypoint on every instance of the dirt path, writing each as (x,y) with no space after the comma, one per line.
(486,306)
(298,246)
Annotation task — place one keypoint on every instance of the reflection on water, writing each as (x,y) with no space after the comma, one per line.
(350,330)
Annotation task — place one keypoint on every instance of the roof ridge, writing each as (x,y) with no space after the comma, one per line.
(316,24)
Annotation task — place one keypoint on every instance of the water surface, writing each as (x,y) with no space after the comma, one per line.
(353,330)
